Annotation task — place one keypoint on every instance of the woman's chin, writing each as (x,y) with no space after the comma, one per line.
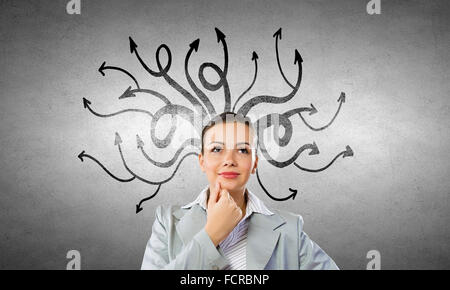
(229,184)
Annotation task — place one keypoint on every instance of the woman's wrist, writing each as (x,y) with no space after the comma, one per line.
(213,238)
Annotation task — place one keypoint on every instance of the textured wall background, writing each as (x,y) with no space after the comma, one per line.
(393,195)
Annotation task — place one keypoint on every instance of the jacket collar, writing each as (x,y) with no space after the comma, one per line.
(262,234)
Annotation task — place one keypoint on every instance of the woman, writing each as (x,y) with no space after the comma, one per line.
(227,226)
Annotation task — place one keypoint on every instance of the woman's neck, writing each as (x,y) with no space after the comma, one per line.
(240,198)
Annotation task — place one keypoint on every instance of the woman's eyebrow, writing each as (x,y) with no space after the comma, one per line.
(239,143)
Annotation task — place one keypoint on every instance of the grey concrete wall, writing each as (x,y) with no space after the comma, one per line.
(392,195)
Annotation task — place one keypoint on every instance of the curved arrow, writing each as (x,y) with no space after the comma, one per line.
(221,38)
(347,153)
(272,99)
(277,36)
(191,141)
(83,154)
(164,73)
(104,67)
(214,87)
(138,206)
(118,141)
(294,191)
(312,110)
(255,59)
(341,100)
(86,104)
(194,46)
(281,164)
(131,93)
(133,49)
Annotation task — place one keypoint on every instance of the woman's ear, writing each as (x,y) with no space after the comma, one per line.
(255,164)
(201,161)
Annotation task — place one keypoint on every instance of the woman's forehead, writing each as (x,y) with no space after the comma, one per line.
(229,132)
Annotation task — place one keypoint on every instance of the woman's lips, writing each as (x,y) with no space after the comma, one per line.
(229,174)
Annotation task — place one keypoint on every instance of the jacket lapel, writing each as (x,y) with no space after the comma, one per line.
(193,220)
(262,239)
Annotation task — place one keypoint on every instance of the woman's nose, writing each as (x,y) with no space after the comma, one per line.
(229,157)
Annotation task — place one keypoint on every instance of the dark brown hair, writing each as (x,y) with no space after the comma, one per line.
(232,117)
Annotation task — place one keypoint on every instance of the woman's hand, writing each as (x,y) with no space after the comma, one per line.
(223,214)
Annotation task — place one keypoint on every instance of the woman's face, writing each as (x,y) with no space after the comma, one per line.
(229,147)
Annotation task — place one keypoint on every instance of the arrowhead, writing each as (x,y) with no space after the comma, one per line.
(138,208)
(254,55)
(298,57)
(342,98)
(127,94)
(81,155)
(278,33)
(314,150)
(117,140)
(133,45)
(348,152)
(101,68)
(86,102)
(140,143)
(294,193)
(195,44)
(220,35)
(313,110)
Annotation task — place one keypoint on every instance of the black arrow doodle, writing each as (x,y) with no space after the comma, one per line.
(223,82)
(131,93)
(173,110)
(164,73)
(214,87)
(312,110)
(194,46)
(272,99)
(294,191)
(83,154)
(138,206)
(255,59)
(104,67)
(277,35)
(341,100)
(280,164)
(346,153)
(192,141)
(87,103)
(204,106)
(118,141)
(133,49)
(283,120)
(221,38)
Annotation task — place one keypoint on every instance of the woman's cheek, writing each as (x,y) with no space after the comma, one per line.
(211,167)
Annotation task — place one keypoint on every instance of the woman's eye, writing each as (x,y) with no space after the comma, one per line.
(216,149)
(243,150)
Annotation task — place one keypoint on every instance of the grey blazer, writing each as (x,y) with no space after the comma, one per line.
(179,241)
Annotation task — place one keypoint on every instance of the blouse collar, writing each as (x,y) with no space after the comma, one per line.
(254,204)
